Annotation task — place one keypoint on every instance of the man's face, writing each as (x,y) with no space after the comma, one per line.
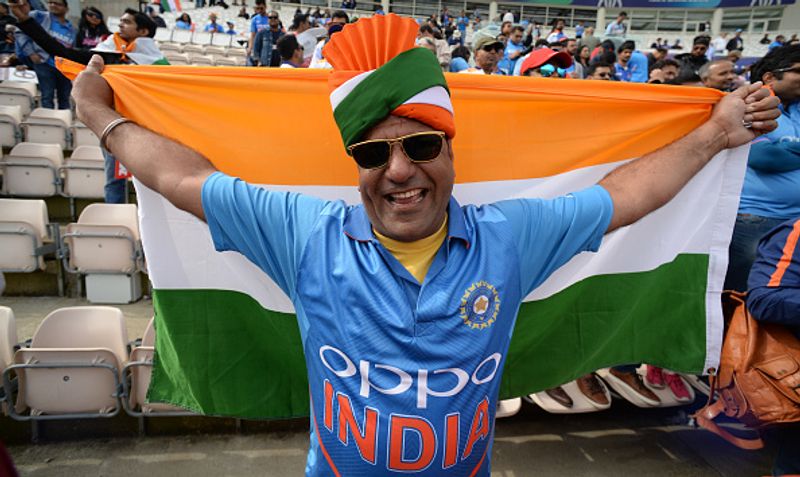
(57,7)
(624,55)
(336,21)
(589,31)
(127,28)
(720,76)
(274,20)
(560,25)
(699,50)
(212,18)
(602,73)
(622,18)
(572,47)
(260,9)
(788,87)
(488,56)
(505,29)
(403,200)
(670,72)
(516,37)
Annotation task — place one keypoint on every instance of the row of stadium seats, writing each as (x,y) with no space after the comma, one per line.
(40,170)
(40,125)
(103,245)
(233,52)
(222,40)
(195,59)
(79,364)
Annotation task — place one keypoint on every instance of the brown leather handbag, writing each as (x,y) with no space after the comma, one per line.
(758,381)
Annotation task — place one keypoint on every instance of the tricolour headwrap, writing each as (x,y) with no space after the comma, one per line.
(377,71)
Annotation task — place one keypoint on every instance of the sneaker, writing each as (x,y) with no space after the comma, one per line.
(634,382)
(560,396)
(678,387)
(655,377)
(591,388)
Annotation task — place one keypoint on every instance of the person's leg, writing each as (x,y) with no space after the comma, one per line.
(114,188)
(63,89)
(744,245)
(47,84)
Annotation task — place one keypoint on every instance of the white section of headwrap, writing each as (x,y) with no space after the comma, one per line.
(435,95)
(338,95)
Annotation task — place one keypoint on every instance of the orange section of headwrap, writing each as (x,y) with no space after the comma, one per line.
(434,116)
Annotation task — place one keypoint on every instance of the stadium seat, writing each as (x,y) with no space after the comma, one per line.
(222,40)
(72,368)
(104,245)
(23,232)
(31,170)
(194,49)
(83,136)
(225,61)
(215,50)
(181,36)
(167,47)
(201,38)
(140,368)
(201,60)
(10,119)
(236,52)
(163,35)
(84,174)
(49,126)
(8,340)
(17,93)
(177,58)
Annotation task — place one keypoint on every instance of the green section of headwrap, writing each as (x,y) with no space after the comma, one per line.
(388,87)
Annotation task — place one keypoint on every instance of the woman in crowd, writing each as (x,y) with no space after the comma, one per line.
(184,22)
(582,56)
(92,29)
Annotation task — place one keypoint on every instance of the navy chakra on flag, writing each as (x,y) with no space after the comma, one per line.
(479,305)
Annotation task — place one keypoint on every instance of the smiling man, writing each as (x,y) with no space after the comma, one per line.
(406,302)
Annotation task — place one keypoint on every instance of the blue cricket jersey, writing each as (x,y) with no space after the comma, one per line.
(403,376)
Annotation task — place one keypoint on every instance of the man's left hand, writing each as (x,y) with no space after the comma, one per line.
(745,114)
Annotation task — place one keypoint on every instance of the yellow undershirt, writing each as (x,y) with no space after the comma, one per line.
(416,257)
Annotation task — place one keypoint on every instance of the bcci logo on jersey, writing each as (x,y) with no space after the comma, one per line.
(480,305)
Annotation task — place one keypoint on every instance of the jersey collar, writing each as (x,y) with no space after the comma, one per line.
(357,226)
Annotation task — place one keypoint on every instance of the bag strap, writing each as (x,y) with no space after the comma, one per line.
(705,419)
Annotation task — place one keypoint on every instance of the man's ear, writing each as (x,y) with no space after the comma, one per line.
(768,77)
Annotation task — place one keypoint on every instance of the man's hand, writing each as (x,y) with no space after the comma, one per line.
(749,105)
(90,91)
(36,58)
(20,9)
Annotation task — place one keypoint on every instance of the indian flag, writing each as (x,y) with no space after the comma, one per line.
(171,5)
(227,338)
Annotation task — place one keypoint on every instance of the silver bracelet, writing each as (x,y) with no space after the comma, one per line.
(110,127)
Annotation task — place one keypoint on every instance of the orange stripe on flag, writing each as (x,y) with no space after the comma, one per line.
(275,125)
(786,258)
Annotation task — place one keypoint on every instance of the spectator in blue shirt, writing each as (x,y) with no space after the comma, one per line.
(51,82)
(213,26)
(514,49)
(460,59)
(184,22)
(258,22)
(266,41)
(579,28)
(780,41)
(771,190)
(622,68)
(230,30)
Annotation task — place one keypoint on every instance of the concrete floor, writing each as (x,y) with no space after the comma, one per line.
(621,441)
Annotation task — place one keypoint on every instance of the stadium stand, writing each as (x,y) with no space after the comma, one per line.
(17,93)
(104,246)
(10,119)
(24,231)
(49,126)
(83,173)
(72,368)
(31,170)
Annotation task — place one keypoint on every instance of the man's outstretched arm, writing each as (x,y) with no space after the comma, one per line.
(171,169)
(644,185)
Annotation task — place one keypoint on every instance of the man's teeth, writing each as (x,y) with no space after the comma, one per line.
(407,194)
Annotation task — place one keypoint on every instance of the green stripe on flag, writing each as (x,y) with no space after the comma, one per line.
(255,366)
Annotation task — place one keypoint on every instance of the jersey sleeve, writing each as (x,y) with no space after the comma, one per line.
(270,228)
(548,233)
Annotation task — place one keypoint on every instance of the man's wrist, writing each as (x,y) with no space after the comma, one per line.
(713,137)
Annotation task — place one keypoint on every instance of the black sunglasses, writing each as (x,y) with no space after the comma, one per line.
(272,18)
(795,69)
(495,47)
(418,147)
